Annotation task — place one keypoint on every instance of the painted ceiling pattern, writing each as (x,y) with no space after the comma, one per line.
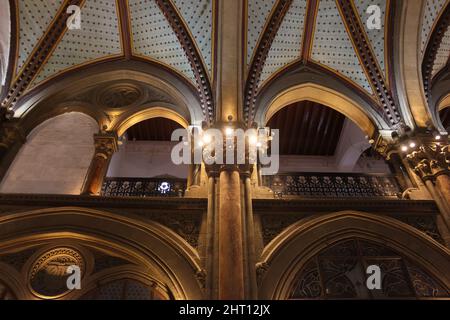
(333,47)
(98,38)
(287,44)
(34,18)
(258,12)
(376,37)
(198,15)
(443,54)
(111,29)
(431,12)
(153,37)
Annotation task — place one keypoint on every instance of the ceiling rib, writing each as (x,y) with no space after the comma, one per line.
(194,56)
(40,54)
(261,53)
(311,12)
(390,111)
(125,19)
(436,38)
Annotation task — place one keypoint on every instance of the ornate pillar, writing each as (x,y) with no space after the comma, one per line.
(431,163)
(105,145)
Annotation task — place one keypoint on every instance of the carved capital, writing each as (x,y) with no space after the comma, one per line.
(106,143)
(10,134)
(430,160)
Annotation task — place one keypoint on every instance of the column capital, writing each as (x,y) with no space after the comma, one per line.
(430,159)
(106,143)
(10,133)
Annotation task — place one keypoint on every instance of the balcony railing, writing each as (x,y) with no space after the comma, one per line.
(332,185)
(143,187)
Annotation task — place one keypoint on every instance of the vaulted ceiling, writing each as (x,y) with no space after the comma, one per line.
(180,35)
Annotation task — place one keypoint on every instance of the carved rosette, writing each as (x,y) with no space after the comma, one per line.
(48,274)
(430,161)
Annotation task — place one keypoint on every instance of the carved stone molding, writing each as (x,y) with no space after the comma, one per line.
(261,270)
(119,96)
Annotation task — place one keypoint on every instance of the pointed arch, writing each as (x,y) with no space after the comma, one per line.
(288,252)
(152,245)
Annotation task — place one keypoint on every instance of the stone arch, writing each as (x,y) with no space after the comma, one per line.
(293,248)
(127,121)
(55,158)
(40,100)
(325,96)
(172,263)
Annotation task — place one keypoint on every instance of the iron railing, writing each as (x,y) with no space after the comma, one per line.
(143,187)
(333,185)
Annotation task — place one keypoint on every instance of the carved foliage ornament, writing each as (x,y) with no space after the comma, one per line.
(430,160)
(119,96)
(105,144)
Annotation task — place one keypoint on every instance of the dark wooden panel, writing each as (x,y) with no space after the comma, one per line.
(308,128)
(156,129)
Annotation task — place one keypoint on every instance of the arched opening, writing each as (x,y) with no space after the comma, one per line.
(55,158)
(132,253)
(340,272)
(143,166)
(320,146)
(386,241)
(367,121)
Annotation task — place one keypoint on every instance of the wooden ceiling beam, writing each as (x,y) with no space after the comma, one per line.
(39,55)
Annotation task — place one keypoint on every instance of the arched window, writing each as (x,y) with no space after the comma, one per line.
(339,272)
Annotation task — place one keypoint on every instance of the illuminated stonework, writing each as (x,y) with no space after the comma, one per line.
(48,274)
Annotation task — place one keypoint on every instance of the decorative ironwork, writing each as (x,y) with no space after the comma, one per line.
(333,185)
(140,187)
(339,272)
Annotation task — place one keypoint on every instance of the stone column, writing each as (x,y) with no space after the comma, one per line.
(431,163)
(231,251)
(105,146)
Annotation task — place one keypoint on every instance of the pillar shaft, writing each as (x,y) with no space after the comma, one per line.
(105,146)
(231,251)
